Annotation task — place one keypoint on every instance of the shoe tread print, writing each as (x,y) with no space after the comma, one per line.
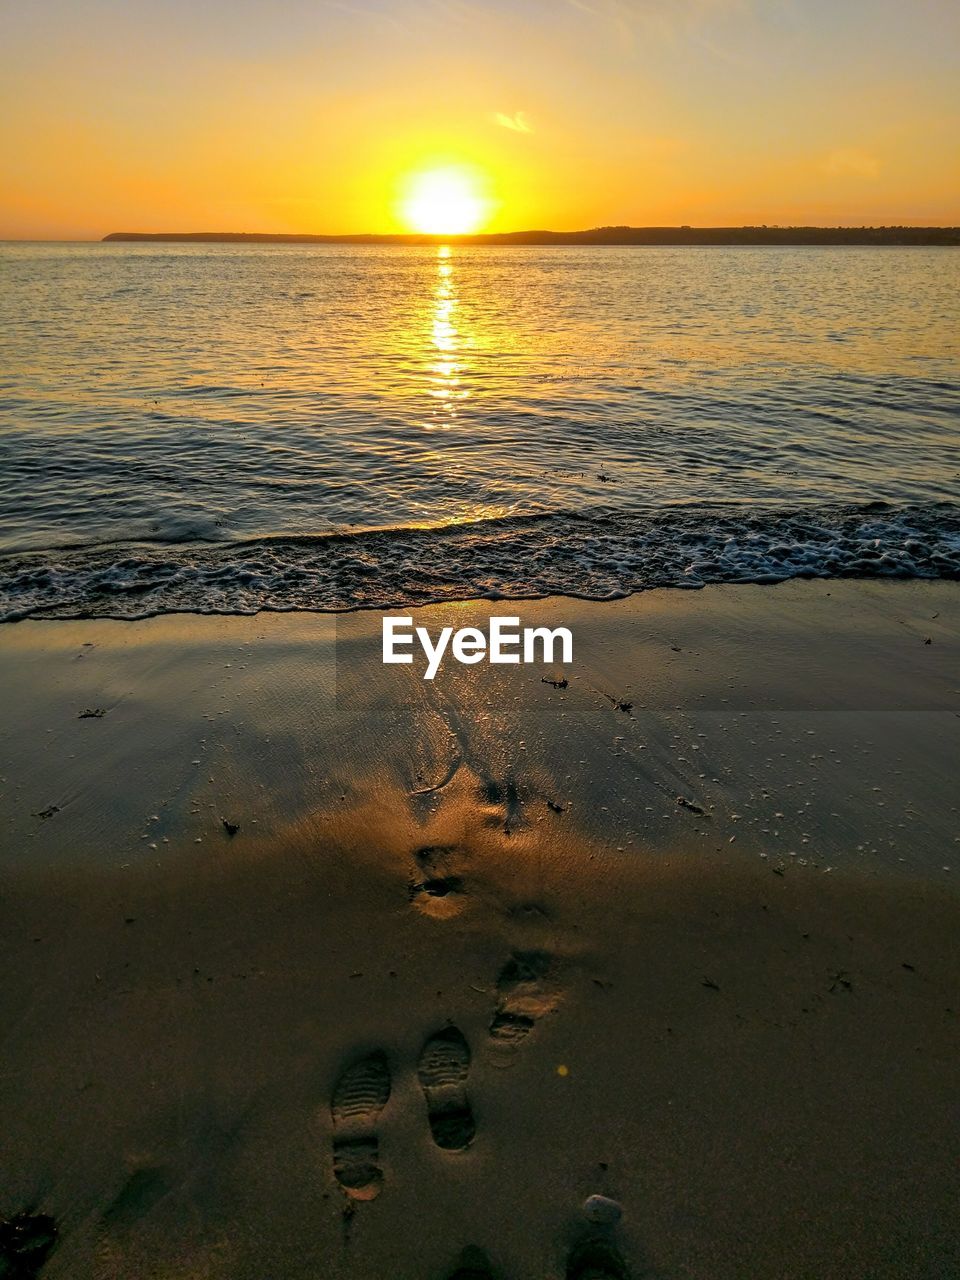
(359,1095)
(442,1070)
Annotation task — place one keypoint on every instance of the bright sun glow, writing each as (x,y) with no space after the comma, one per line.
(444,202)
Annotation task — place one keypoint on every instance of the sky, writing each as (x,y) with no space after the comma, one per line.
(317,115)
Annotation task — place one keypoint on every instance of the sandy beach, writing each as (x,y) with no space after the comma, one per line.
(479,640)
(316,969)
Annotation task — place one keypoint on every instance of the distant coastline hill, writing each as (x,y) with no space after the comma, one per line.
(762,235)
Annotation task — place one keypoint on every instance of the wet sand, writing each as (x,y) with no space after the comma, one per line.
(481,948)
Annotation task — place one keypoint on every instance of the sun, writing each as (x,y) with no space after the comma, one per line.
(444,202)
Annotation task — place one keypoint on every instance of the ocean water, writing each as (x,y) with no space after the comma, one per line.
(229,428)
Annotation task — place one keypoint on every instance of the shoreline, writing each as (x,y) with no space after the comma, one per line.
(586,557)
(722,1013)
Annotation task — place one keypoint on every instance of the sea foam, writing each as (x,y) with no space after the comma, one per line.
(593,556)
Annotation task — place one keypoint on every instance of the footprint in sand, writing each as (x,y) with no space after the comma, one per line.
(591,1259)
(596,1259)
(507,799)
(473,1264)
(438,889)
(442,1071)
(526,993)
(360,1094)
(144,1188)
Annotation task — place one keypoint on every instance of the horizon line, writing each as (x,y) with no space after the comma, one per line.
(677,234)
(757,233)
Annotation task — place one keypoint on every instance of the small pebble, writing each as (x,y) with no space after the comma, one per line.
(602,1210)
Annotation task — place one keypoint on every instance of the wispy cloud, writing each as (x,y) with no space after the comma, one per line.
(851,162)
(518,122)
(662,19)
(669,11)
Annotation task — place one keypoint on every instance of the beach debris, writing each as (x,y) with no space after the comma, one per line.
(928,640)
(231,828)
(840,981)
(912,968)
(25,1243)
(684,803)
(562,683)
(601,1210)
(48,812)
(92,713)
(556,808)
(710,984)
(619,704)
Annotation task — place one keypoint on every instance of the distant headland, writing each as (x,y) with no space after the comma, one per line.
(760,235)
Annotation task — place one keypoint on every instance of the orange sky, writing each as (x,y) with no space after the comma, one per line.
(312,115)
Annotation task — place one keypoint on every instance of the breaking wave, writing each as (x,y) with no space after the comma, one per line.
(594,556)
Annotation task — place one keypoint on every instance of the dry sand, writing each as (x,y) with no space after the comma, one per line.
(736,1015)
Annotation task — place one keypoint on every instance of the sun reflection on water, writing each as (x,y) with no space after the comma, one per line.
(448,377)
(445,365)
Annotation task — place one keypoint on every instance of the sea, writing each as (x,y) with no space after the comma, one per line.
(226,428)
